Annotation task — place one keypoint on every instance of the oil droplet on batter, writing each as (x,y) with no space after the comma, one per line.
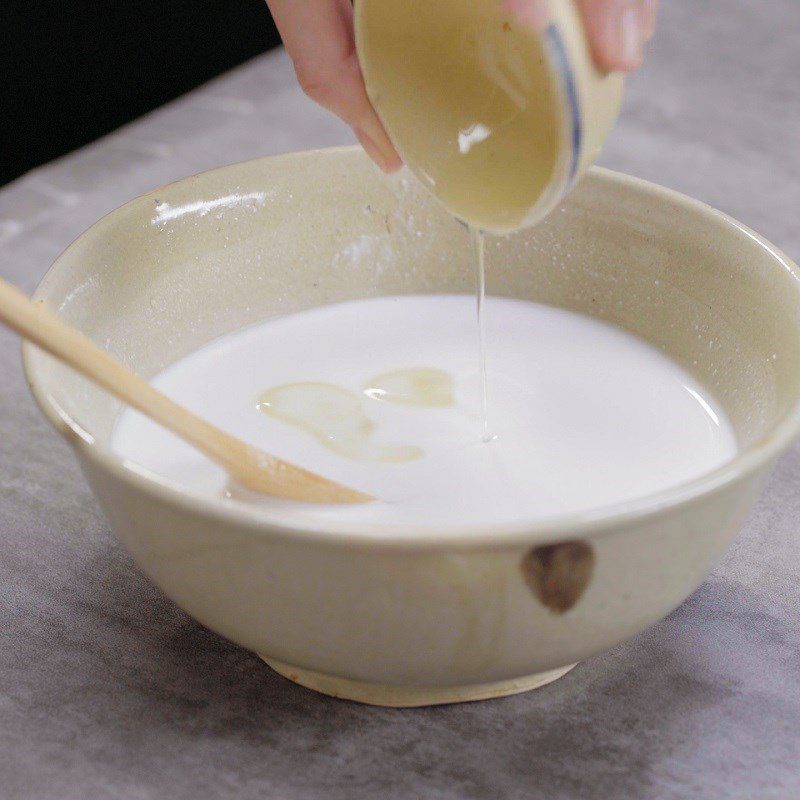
(418,386)
(335,417)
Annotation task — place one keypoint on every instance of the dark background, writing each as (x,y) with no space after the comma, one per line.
(73,71)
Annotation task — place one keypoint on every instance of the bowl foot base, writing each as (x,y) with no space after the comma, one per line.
(378,694)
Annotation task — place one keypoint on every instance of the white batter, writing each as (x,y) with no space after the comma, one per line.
(582,414)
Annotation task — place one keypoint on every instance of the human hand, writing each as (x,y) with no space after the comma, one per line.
(618,30)
(318,35)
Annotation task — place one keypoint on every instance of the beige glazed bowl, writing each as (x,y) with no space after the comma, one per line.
(416,616)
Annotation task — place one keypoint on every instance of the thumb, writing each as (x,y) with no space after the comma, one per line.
(618,30)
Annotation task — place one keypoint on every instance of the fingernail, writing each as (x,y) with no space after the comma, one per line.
(388,163)
(381,141)
(630,41)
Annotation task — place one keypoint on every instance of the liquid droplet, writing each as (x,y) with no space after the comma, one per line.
(335,417)
(418,386)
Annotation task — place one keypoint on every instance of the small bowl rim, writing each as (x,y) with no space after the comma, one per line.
(284,522)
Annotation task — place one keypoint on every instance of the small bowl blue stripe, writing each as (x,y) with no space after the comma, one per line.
(558,53)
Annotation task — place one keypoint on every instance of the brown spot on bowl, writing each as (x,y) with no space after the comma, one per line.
(558,574)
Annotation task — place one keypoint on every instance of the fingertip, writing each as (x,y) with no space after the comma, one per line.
(615,35)
(531,14)
(630,50)
(388,161)
(394,164)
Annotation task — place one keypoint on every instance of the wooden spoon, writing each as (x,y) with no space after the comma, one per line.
(249,466)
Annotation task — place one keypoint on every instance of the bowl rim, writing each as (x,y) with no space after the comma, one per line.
(284,522)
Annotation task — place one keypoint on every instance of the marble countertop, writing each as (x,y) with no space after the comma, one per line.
(109,690)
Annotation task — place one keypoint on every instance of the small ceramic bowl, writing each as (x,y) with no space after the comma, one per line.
(422,615)
(450,76)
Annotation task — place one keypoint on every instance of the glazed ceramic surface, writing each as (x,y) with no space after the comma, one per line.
(463,92)
(408,616)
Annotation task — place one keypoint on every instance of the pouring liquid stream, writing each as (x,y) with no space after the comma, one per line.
(479,244)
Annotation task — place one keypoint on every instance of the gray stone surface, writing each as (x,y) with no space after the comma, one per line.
(108,690)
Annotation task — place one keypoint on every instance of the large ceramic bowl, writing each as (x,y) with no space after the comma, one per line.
(422,615)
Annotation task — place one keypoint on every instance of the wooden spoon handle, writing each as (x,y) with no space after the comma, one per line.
(254,468)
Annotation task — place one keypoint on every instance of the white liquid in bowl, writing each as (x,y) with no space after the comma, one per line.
(582,414)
